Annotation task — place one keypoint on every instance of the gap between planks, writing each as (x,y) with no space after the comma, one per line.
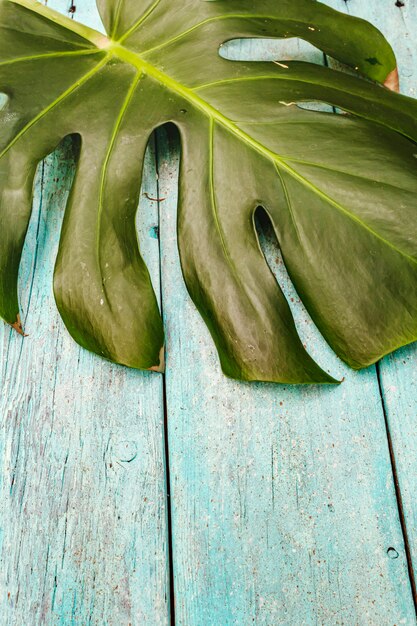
(165,404)
(398,495)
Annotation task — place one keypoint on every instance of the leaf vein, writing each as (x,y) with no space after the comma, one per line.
(340,207)
(140,21)
(52,105)
(119,120)
(289,203)
(209,20)
(116,18)
(50,55)
(213,202)
(345,173)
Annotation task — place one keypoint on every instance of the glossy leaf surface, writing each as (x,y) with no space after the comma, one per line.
(340,190)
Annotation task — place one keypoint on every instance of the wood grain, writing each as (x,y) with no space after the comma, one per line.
(83,492)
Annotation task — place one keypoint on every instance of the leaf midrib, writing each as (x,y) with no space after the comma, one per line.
(134,59)
(115,49)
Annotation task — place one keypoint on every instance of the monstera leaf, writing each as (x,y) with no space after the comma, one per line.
(340,190)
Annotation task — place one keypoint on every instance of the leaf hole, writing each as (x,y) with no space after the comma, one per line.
(280,51)
(308,332)
(252,49)
(313,105)
(3,100)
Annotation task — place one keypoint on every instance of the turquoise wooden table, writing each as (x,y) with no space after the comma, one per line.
(191,499)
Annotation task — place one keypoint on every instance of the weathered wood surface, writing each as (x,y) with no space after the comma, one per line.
(283,502)
(83,493)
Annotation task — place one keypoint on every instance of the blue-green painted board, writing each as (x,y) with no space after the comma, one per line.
(83,493)
(398,371)
(82,504)
(283,501)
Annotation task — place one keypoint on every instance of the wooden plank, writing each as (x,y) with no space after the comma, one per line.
(82,504)
(283,501)
(398,372)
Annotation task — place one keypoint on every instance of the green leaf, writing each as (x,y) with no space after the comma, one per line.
(340,189)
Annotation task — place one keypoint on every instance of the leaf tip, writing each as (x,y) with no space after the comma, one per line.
(330,380)
(18,326)
(392,81)
(161,365)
